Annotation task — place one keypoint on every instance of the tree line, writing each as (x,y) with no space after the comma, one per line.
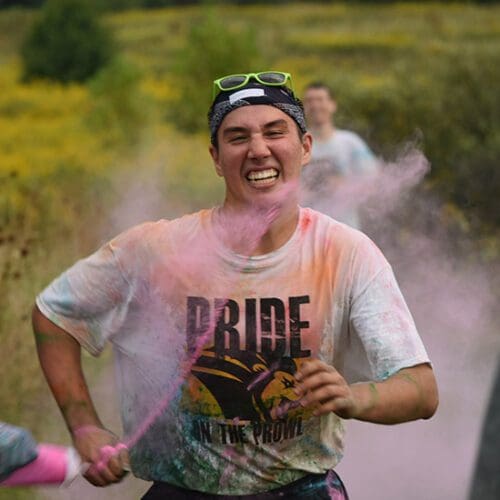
(129,4)
(454,104)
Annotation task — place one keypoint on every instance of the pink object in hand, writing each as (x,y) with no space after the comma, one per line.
(54,465)
(108,452)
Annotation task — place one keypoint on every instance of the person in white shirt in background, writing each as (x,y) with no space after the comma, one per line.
(340,159)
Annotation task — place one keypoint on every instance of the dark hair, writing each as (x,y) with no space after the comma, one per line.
(318,85)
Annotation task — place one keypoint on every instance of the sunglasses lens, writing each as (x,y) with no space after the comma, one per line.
(230,82)
(273,78)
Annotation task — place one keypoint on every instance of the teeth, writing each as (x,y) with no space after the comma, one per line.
(258,175)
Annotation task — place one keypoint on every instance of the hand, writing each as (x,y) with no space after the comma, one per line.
(323,387)
(108,458)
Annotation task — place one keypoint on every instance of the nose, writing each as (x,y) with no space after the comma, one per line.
(258,148)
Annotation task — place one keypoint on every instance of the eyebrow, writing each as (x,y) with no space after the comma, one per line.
(235,130)
(276,123)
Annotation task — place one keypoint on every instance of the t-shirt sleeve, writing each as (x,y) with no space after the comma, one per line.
(17,448)
(380,318)
(89,300)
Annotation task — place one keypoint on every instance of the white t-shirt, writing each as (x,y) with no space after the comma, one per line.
(344,157)
(207,342)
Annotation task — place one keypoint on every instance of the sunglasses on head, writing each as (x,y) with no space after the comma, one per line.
(233,82)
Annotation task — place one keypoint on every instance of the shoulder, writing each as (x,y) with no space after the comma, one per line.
(349,137)
(341,242)
(330,230)
(163,231)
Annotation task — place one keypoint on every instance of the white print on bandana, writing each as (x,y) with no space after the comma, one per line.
(245,93)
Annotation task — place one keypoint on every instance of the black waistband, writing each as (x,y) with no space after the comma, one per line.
(313,486)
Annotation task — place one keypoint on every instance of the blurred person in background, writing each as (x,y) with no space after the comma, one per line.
(339,159)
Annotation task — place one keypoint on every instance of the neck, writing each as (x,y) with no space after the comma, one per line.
(257,230)
(322,131)
(280,230)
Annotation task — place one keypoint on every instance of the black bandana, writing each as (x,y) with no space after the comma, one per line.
(251,94)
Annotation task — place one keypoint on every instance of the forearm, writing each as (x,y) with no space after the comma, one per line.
(60,358)
(410,394)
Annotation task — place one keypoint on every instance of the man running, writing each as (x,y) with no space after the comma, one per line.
(243,334)
(339,159)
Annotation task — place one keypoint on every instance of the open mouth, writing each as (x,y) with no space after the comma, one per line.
(262,177)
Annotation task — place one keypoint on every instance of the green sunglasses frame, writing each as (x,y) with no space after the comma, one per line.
(256,76)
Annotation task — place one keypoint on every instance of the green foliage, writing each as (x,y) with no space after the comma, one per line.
(119,109)
(126,4)
(66,43)
(20,3)
(469,173)
(211,50)
(451,105)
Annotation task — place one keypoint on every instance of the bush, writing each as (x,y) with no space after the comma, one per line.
(67,43)
(20,3)
(211,51)
(451,105)
(471,102)
(119,111)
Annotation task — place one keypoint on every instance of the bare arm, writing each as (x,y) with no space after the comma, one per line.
(409,394)
(60,358)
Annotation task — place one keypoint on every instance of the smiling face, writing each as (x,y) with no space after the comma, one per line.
(259,151)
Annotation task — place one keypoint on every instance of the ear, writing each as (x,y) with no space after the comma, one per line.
(306,148)
(214,153)
(334,106)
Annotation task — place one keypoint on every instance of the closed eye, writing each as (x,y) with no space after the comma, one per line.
(237,139)
(275,133)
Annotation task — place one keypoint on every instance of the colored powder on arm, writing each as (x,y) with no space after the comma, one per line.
(374,396)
